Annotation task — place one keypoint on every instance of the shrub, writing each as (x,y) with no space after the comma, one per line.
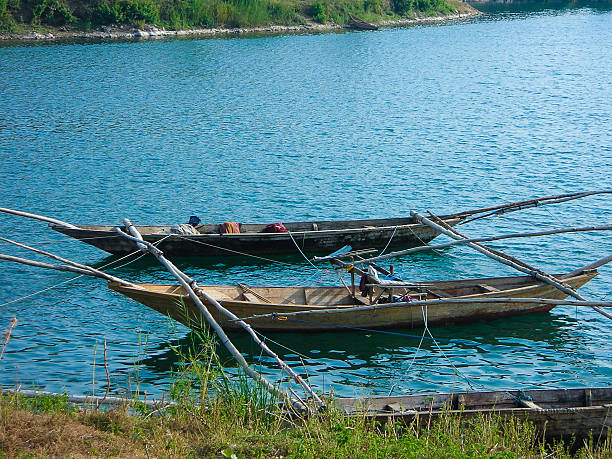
(132,11)
(7,23)
(199,13)
(108,13)
(140,10)
(52,12)
(373,6)
(317,11)
(403,7)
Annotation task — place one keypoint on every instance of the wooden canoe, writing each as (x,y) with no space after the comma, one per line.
(312,237)
(557,413)
(359,24)
(246,302)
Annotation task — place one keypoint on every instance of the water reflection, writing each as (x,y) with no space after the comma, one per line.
(503,353)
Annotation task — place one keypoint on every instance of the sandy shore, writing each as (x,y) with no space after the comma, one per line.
(129,33)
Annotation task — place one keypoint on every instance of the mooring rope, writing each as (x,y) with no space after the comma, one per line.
(307,358)
(388,242)
(325,273)
(302,253)
(423,242)
(425,317)
(238,252)
(372,330)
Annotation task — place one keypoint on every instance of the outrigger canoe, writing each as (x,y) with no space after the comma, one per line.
(556,413)
(337,308)
(311,237)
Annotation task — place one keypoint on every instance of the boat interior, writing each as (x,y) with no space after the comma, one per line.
(256,228)
(342,296)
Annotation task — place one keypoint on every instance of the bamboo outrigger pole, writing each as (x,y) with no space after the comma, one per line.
(73,265)
(37,217)
(191,287)
(481,239)
(520,205)
(507,260)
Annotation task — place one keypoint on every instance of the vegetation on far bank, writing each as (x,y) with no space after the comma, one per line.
(214,417)
(19,16)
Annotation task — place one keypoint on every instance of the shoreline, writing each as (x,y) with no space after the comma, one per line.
(132,33)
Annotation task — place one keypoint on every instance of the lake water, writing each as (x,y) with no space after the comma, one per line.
(347,125)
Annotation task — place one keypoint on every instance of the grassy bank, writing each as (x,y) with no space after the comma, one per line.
(241,427)
(22,16)
(216,417)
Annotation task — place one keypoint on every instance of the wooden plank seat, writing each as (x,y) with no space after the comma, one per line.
(488,288)
(250,295)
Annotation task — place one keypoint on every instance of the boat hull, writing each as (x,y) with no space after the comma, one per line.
(327,237)
(556,413)
(172,301)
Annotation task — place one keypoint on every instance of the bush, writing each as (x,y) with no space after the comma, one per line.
(198,14)
(373,6)
(7,23)
(52,12)
(317,11)
(108,13)
(403,7)
(132,11)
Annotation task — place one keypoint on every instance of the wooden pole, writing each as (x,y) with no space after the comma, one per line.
(191,287)
(94,272)
(88,399)
(482,239)
(594,265)
(520,205)
(509,261)
(458,301)
(38,217)
(39,264)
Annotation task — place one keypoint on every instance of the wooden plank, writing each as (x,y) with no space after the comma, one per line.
(529,404)
(488,288)
(588,397)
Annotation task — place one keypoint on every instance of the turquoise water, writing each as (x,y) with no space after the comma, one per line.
(350,125)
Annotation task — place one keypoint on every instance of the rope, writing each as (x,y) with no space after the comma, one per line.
(239,253)
(371,330)
(389,242)
(413,359)
(307,358)
(300,250)
(423,242)
(322,277)
(425,317)
(40,291)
